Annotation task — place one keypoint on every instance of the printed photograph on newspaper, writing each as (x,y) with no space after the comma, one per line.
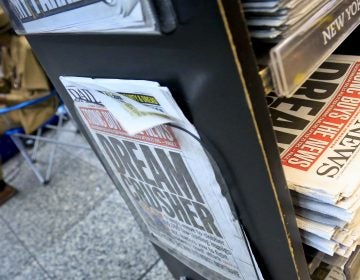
(165,172)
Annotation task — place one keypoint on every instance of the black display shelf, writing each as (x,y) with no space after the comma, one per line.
(208,64)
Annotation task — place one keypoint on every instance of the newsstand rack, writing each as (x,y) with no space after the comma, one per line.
(209,65)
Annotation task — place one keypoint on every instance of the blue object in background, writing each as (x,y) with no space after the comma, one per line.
(7,148)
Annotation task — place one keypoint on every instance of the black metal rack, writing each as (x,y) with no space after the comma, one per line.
(209,66)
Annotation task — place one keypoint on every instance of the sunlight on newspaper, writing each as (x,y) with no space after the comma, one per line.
(133,116)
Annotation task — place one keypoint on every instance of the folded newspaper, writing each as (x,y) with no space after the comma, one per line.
(276,20)
(162,170)
(318,131)
(117,16)
(318,135)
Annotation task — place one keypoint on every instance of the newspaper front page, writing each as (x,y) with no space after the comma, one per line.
(168,177)
(83,16)
(318,131)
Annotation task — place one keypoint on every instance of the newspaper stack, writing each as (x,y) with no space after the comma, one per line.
(275,20)
(118,16)
(318,134)
(160,167)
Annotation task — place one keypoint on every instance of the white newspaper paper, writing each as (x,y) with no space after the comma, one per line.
(320,218)
(347,238)
(168,177)
(328,247)
(346,215)
(133,116)
(84,16)
(321,230)
(318,131)
(344,236)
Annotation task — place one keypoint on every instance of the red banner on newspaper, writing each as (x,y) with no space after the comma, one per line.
(102,120)
(331,124)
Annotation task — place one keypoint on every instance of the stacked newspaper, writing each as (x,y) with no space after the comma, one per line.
(120,16)
(275,20)
(157,162)
(318,134)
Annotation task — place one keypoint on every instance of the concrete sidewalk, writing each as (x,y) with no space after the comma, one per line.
(77,227)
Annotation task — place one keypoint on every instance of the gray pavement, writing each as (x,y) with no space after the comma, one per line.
(77,227)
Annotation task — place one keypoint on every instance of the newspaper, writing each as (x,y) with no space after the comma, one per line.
(350,204)
(328,247)
(319,217)
(346,215)
(346,236)
(133,116)
(321,230)
(83,16)
(287,17)
(318,131)
(277,20)
(167,176)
